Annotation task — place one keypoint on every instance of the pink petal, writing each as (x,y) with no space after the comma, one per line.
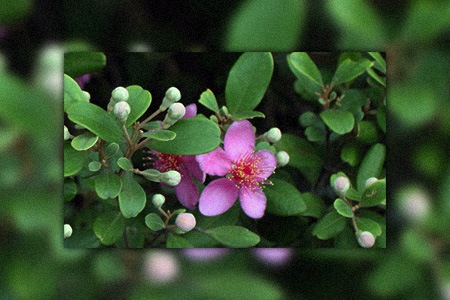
(187,191)
(192,166)
(215,162)
(267,163)
(239,139)
(253,201)
(191,111)
(218,197)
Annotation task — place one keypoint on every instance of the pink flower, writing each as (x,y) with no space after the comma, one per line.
(245,172)
(186,191)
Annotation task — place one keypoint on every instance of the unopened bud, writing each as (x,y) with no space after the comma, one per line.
(342,185)
(224,111)
(158,200)
(171,177)
(333,95)
(172,95)
(185,221)
(121,111)
(370,181)
(161,267)
(66,133)
(365,239)
(119,94)
(322,101)
(214,119)
(67,230)
(273,135)
(176,111)
(282,158)
(87,96)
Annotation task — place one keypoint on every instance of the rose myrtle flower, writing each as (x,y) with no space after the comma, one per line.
(274,257)
(186,191)
(245,172)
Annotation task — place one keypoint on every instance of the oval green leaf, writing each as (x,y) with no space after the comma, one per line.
(193,136)
(125,164)
(209,101)
(139,101)
(72,92)
(80,63)
(342,208)
(366,224)
(109,227)
(306,71)
(73,160)
(84,141)
(112,149)
(314,205)
(161,135)
(374,194)
(339,121)
(94,166)
(266,24)
(132,197)
(247,115)
(96,120)
(234,236)
(248,80)
(154,222)
(371,165)
(284,199)
(107,185)
(329,226)
(349,70)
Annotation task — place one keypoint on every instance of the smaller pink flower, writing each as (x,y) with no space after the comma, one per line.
(245,172)
(186,191)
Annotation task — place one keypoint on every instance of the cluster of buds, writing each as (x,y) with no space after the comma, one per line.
(172,95)
(118,104)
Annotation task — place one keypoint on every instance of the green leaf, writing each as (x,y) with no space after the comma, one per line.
(108,185)
(284,199)
(371,165)
(80,63)
(70,189)
(14,11)
(351,154)
(73,160)
(380,62)
(308,119)
(339,121)
(111,150)
(265,24)
(96,120)
(94,166)
(234,236)
(154,222)
(367,132)
(342,208)
(132,197)
(315,134)
(314,205)
(416,245)
(161,135)
(125,164)
(109,227)
(188,134)
(329,226)
(381,118)
(209,101)
(84,141)
(302,156)
(349,70)
(374,194)
(248,80)
(247,115)
(377,77)
(306,71)
(366,224)
(72,92)
(176,241)
(353,194)
(139,101)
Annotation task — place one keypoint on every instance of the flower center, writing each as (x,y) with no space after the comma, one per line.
(244,172)
(165,162)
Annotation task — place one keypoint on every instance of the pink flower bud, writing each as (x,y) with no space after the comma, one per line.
(161,267)
(185,222)
(342,185)
(365,239)
(371,180)
(121,111)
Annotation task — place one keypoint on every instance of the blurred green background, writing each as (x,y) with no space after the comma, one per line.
(415,36)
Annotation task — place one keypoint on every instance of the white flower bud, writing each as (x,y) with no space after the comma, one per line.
(342,185)
(176,111)
(414,203)
(119,94)
(370,181)
(224,111)
(121,111)
(172,95)
(171,177)
(158,200)
(87,96)
(282,158)
(273,135)
(365,239)
(67,230)
(185,221)
(66,133)
(161,267)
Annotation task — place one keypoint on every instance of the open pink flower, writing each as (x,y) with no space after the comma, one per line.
(245,172)
(186,191)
